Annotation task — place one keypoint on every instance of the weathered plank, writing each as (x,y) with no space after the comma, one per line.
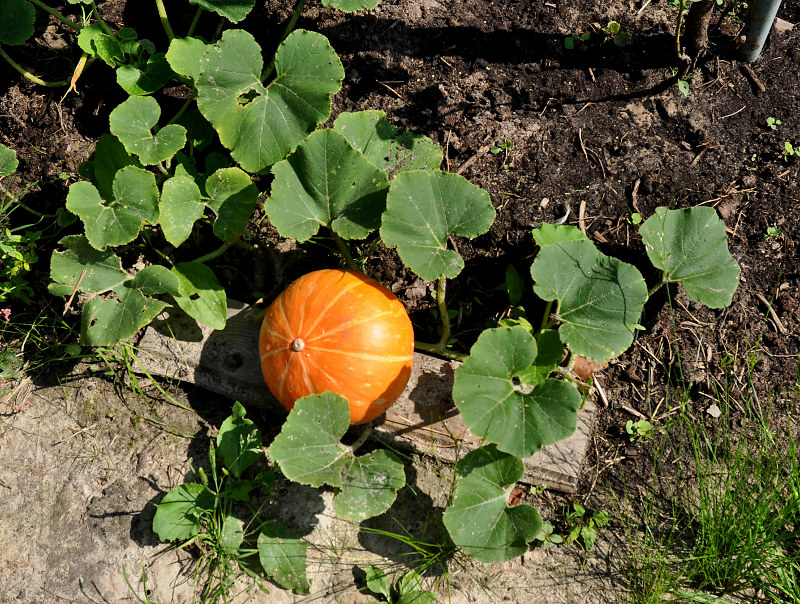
(424,418)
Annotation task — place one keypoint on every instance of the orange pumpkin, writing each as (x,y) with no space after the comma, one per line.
(340,331)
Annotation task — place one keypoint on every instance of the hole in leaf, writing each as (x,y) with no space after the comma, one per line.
(194,296)
(243,100)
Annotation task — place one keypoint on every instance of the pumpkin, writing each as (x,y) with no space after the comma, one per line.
(340,331)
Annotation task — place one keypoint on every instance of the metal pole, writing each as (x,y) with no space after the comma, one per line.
(760,17)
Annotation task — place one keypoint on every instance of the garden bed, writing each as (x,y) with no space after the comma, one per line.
(595,135)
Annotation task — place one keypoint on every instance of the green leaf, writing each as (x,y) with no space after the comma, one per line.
(326,182)
(116,221)
(178,514)
(232,197)
(308,450)
(232,10)
(423,210)
(108,321)
(103,268)
(372,134)
(548,234)
(262,125)
(180,207)
(350,6)
(550,352)
(514,285)
(479,520)
(132,122)
(155,279)
(232,534)
(370,485)
(690,247)
(378,582)
(110,156)
(283,556)
(184,56)
(8,161)
(409,590)
(600,299)
(200,295)
(95,42)
(495,407)
(146,77)
(16,22)
(239,441)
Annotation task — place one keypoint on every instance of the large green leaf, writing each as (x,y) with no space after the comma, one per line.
(283,556)
(423,210)
(16,21)
(232,10)
(184,56)
(326,182)
(107,321)
(239,441)
(180,206)
(132,122)
(308,451)
(103,268)
(232,196)
(495,407)
(262,125)
(479,520)
(600,299)
(369,486)
(690,247)
(372,134)
(178,514)
(116,221)
(200,294)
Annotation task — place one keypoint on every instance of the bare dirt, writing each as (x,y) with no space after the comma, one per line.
(598,132)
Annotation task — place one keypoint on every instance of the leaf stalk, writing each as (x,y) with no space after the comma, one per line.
(25,73)
(51,11)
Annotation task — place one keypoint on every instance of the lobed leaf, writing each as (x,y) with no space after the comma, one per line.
(132,122)
(495,407)
(116,221)
(326,182)
(106,321)
(690,247)
(600,299)
(372,134)
(103,268)
(200,294)
(184,56)
(180,206)
(261,125)
(308,450)
(110,156)
(146,76)
(369,486)
(232,196)
(550,352)
(423,210)
(479,520)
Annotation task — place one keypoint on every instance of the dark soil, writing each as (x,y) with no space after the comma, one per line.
(599,132)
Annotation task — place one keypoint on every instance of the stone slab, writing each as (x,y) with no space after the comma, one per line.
(424,418)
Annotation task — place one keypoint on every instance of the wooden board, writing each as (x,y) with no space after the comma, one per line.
(424,418)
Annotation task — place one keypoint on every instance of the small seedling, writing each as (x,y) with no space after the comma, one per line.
(772,123)
(547,536)
(789,150)
(641,430)
(584,527)
(772,231)
(635,218)
(504,148)
(614,31)
(573,41)
(408,588)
